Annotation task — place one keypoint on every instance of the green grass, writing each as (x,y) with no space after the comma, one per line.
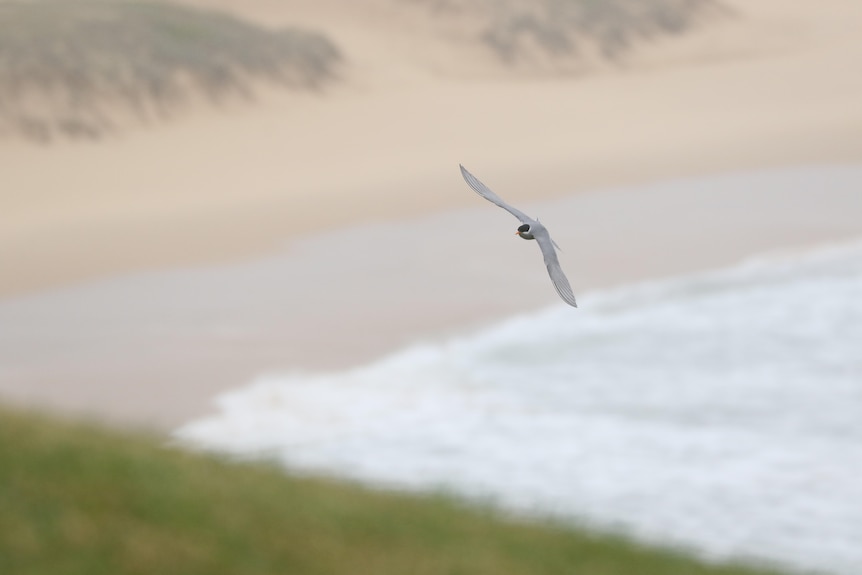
(77,499)
(73,68)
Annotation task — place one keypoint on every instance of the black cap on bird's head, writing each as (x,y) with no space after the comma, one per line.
(524,232)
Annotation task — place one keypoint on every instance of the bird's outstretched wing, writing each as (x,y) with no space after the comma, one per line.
(486,193)
(540,233)
(558,278)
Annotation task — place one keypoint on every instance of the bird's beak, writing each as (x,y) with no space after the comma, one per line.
(517,233)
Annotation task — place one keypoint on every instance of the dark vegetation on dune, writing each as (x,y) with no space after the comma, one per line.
(67,68)
(571,28)
(84,68)
(77,499)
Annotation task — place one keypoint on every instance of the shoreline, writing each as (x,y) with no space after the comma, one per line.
(153,349)
(773,87)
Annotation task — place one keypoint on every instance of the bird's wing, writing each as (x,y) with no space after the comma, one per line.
(486,193)
(558,278)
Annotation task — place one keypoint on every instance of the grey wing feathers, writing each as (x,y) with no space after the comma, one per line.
(540,233)
(486,193)
(558,278)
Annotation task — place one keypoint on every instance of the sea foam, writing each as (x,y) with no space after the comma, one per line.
(720,412)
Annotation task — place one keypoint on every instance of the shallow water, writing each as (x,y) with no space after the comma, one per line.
(153,347)
(721,412)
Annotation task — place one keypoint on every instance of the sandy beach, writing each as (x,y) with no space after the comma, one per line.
(326,184)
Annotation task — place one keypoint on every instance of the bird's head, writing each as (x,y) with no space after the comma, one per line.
(524,232)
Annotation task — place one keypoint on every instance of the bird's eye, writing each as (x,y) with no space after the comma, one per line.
(524,228)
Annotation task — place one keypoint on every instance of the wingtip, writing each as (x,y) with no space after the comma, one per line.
(468,177)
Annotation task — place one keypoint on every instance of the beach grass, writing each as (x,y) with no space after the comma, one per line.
(607,29)
(81,69)
(77,68)
(80,499)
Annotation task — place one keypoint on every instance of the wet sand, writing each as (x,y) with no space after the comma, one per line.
(152,349)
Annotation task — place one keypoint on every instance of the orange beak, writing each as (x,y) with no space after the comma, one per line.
(517,233)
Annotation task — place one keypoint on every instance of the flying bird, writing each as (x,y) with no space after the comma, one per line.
(529,229)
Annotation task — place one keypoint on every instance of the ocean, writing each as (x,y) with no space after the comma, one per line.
(719,412)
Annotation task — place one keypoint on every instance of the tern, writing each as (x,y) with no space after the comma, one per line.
(529,229)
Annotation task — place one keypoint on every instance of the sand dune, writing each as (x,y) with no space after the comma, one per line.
(764,84)
(773,84)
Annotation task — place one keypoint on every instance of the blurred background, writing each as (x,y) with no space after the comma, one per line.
(242,226)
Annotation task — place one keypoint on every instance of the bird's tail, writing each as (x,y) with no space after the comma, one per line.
(552,240)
